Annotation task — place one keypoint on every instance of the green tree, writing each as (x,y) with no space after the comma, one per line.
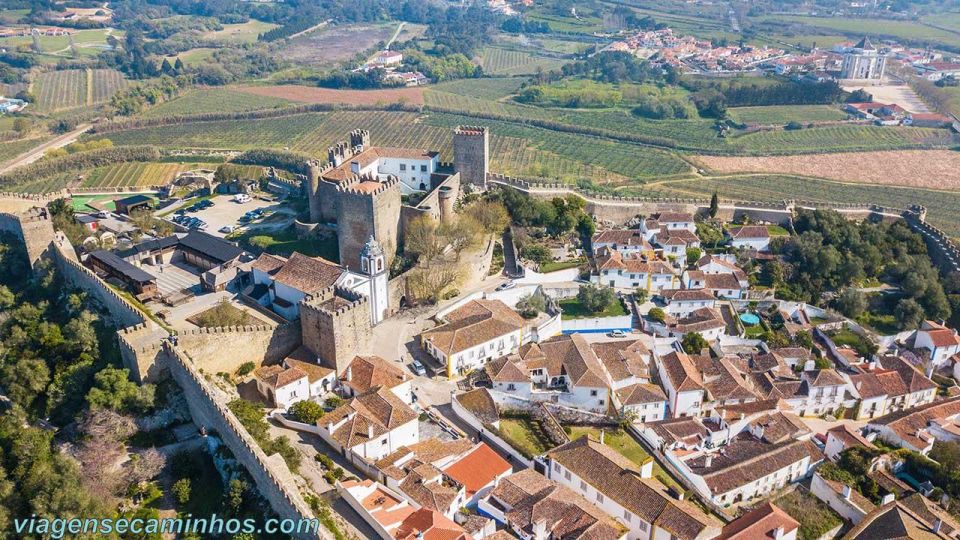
(851,303)
(333,402)
(714,204)
(181,490)
(909,314)
(640,295)
(307,412)
(114,390)
(235,495)
(693,254)
(693,343)
(537,253)
(657,314)
(595,299)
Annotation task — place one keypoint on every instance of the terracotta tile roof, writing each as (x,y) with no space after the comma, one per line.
(426,524)
(478,469)
(686,430)
(371,155)
(913,380)
(678,237)
(378,409)
(673,217)
(623,359)
(425,484)
(277,376)
(747,459)
(929,512)
(568,515)
(940,335)
(633,263)
(759,524)
(308,274)
(472,324)
(721,379)
(506,370)
(699,320)
(368,372)
(618,478)
(268,263)
(906,424)
(824,377)
(570,355)
(305,361)
(748,232)
(682,372)
(636,394)
(481,404)
(721,281)
(731,412)
(850,437)
(779,426)
(622,237)
(897,520)
(686,295)
(857,498)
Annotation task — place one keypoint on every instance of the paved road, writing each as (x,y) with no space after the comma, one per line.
(37,152)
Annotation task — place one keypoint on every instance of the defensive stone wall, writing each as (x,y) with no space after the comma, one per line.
(32,225)
(225,349)
(121,310)
(270,473)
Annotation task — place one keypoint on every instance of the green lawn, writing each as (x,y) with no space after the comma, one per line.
(573,309)
(815,517)
(524,435)
(777,230)
(622,442)
(561,265)
(285,242)
(783,114)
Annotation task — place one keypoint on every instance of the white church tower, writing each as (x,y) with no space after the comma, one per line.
(374,265)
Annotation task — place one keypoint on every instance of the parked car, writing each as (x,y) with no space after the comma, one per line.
(241,198)
(228,229)
(103,214)
(617,333)
(506,285)
(418,368)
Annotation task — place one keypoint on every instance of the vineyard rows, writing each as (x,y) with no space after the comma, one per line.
(941,205)
(136,174)
(199,101)
(840,138)
(782,114)
(484,88)
(228,134)
(64,89)
(106,83)
(497,61)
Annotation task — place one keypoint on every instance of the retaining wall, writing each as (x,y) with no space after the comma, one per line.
(225,349)
(486,435)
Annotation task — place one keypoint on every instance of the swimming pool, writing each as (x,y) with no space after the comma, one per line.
(750,319)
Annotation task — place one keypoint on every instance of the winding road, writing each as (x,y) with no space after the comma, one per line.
(37,152)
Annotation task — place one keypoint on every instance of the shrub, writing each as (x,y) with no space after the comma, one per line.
(246,368)
(307,412)
(333,402)
(181,490)
(657,314)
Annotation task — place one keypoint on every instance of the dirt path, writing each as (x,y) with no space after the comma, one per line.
(308,30)
(37,152)
(89,86)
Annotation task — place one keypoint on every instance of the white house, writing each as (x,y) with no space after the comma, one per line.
(764,521)
(941,342)
(365,373)
(626,241)
(645,401)
(632,272)
(749,236)
(370,426)
(299,377)
(681,383)
(280,284)
(917,429)
(675,242)
(629,493)
(681,302)
(891,385)
(672,221)
(843,499)
(413,167)
(474,333)
(841,438)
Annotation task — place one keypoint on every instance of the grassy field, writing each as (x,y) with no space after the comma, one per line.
(89,43)
(193,56)
(240,33)
(285,242)
(499,61)
(573,309)
(203,100)
(525,436)
(904,30)
(782,114)
(12,149)
(840,138)
(941,205)
(565,24)
(487,88)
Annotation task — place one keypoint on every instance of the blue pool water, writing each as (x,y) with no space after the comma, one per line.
(750,319)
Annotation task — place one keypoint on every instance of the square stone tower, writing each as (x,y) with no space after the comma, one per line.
(471,155)
(367,208)
(335,326)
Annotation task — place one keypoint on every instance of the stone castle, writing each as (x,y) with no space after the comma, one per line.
(361,187)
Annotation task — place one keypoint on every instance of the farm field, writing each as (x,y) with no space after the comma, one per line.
(313,94)
(89,43)
(193,56)
(499,61)
(841,138)
(136,174)
(12,149)
(944,20)
(485,88)
(782,114)
(941,205)
(333,44)
(905,30)
(57,90)
(205,100)
(106,83)
(240,33)
(567,25)
(934,169)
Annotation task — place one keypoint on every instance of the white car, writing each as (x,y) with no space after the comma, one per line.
(103,214)
(241,198)
(228,229)
(617,333)
(506,285)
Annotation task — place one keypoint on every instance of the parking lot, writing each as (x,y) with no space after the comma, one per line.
(225,211)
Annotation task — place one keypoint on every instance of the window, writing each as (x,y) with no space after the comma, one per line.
(601,402)
(643,525)
(566,474)
(403,166)
(423,168)
(600,497)
(556,467)
(511,387)
(593,393)
(583,486)
(627,516)
(383,442)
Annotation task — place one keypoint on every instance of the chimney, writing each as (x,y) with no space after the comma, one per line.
(846,492)
(778,532)
(646,470)
(601,436)
(937,525)
(369,431)
(348,374)
(355,167)
(708,461)
(887,499)
(540,530)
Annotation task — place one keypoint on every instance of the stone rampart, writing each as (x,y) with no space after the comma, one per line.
(225,349)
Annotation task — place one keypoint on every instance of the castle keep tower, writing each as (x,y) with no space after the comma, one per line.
(365,208)
(335,326)
(471,155)
(374,264)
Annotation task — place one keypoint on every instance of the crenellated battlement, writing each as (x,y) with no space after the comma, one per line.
(351,185)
